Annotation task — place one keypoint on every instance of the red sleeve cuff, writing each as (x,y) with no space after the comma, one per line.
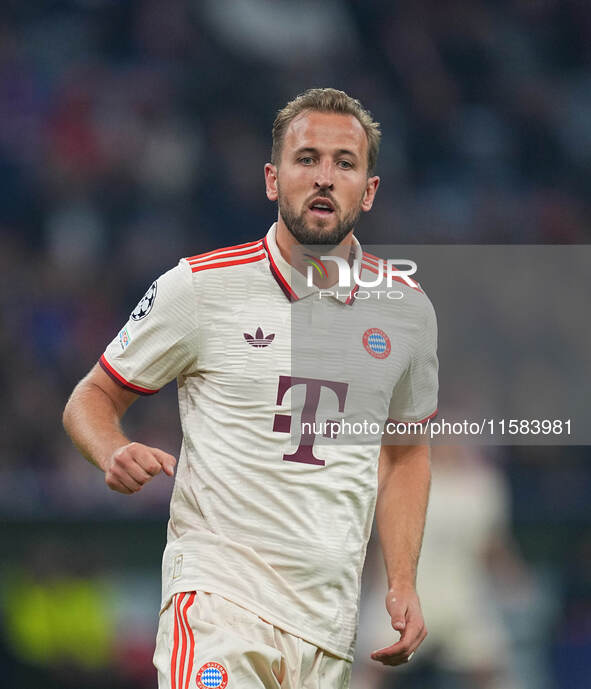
(425,420)
(120,380)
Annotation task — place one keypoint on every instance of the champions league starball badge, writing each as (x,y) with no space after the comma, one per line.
(146,303)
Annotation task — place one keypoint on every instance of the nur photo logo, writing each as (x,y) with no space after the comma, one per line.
(360,279)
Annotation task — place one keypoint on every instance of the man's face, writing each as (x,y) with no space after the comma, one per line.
(321,183)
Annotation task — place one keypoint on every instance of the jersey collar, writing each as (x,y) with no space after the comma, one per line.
(291,281)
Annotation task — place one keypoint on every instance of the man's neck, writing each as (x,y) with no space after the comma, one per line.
(294,253)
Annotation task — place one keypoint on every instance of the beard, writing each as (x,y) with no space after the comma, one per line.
(318,234)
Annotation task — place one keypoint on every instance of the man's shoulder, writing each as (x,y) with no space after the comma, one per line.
(397,284)
(226,258)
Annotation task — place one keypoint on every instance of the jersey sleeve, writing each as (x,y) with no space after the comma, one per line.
(159,341)
(414,397)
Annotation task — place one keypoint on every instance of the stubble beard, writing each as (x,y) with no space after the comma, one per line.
(317,235)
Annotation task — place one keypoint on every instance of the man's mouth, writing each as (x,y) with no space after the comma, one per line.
(321,207)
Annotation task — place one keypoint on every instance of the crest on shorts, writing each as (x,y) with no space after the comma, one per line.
(212,676)
(146,303)
(377,343)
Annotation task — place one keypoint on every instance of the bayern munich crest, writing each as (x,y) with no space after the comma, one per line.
(146,303)
(212,676)
(377,343)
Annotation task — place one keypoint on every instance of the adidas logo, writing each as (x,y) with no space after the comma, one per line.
(259,340)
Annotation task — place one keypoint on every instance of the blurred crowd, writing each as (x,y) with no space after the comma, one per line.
(133,132)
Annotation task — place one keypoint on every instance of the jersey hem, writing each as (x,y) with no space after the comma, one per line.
(259,610)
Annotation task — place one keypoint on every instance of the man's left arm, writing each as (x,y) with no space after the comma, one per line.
(404,477)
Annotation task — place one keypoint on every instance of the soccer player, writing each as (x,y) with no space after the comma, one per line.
(268,527)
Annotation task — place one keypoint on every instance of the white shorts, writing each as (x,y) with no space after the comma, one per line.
(208,642)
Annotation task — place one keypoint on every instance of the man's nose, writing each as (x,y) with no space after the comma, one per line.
(324,175)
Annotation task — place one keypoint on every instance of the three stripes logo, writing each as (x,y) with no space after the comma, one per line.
(259,340)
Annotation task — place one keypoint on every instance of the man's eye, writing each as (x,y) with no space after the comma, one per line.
(345,164)
(306,160)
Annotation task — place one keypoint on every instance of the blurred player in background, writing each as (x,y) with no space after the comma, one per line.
(267,536)
(467,526)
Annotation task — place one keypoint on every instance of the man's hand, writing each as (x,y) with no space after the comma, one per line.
(133,465)
(404,608)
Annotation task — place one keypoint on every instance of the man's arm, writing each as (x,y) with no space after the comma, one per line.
(404,477)
(92,420)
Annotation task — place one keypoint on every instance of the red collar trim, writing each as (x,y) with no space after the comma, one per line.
(289,293)
(284,283)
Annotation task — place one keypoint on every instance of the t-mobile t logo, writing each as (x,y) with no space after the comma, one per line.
(282,422)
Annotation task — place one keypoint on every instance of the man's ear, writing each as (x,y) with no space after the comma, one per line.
(271,181)
(370,193)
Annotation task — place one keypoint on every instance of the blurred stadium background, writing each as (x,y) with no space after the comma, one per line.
(135,132)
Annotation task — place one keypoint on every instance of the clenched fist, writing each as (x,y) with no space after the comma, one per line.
(133,465)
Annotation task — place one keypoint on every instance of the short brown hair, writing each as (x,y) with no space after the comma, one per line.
(327,100)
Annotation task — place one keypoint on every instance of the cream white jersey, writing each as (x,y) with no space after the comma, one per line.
(267,513)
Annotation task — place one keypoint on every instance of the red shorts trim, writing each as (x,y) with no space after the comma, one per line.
(184,634)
